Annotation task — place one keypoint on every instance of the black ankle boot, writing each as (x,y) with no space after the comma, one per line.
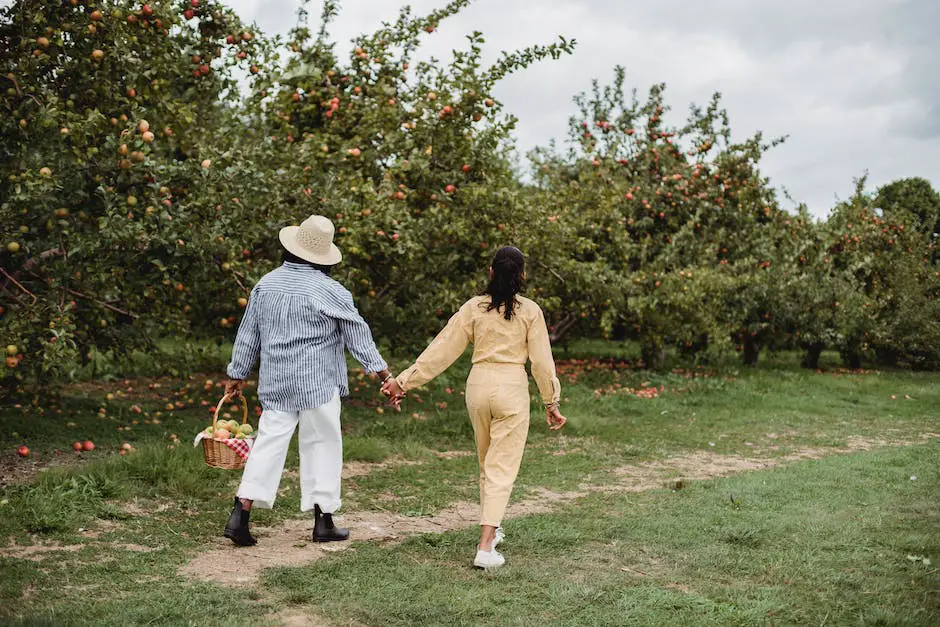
(323,528)
(236,529)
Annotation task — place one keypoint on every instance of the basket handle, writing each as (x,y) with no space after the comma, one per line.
(218,408)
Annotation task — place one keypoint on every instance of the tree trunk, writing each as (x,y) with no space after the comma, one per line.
(851,358)
(811,358)
(751,350)
(886,356)
(653,355)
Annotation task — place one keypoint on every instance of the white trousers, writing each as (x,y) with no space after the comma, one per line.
(321,457)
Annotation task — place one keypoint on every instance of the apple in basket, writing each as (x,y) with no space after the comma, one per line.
(222,434)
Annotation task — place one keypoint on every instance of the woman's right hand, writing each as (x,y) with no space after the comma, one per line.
(554,418)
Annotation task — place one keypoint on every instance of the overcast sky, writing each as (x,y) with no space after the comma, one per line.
(854,83)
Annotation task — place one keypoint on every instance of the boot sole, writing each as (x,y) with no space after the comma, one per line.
(315,539)
(231,536)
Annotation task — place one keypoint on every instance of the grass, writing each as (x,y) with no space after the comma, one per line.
(823,540)
(817,541)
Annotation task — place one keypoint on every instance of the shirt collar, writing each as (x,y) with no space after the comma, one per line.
(297,266)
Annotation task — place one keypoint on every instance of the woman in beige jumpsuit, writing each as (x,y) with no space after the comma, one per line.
(506,330)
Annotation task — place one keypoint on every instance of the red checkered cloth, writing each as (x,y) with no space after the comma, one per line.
(240,446)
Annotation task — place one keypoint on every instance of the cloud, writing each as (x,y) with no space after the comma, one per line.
(852,82)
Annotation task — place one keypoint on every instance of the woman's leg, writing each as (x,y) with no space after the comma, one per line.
(478,406)
(509,428)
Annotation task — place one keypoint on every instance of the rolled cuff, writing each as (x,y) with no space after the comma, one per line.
(553,396)
(376,366)
(237,373)
(404,377)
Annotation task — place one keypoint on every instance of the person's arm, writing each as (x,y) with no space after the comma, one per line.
(247,347)
(543,364)
(543,371)
(443,350)
(356,334)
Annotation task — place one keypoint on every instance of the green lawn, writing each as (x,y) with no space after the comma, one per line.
(847,539)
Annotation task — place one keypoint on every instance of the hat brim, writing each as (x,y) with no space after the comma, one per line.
(288,237)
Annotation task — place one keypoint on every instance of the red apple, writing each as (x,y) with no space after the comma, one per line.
(188,14)
(96,16)
(88,445)
(77,446)
(230,39)
(22,451)
(450,189)
(146,10)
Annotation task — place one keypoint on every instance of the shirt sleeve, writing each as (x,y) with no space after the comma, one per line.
(443,350)
(247,341)
(356,333)
(543,365)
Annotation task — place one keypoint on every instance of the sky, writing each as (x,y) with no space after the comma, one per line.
(854,84)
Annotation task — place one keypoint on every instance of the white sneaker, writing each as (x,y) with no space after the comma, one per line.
(489,559)
(500,536)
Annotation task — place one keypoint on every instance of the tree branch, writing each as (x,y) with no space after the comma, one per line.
(236,275)
(19,285)
(102,303)
(562,328)
(552,271)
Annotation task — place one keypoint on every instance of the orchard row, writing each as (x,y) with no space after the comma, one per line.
(142,181)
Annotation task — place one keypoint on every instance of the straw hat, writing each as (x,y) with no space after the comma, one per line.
(312,241)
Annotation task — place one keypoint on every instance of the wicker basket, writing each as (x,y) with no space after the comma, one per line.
(217,452)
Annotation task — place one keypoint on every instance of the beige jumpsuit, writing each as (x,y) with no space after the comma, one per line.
(497,388)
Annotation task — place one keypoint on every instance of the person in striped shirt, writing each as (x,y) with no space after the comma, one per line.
(299,322)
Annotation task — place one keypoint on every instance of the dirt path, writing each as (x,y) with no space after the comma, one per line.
(289,544)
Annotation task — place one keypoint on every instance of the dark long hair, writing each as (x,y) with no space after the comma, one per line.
(507,281)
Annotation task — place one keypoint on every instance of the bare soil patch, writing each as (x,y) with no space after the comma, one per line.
(296,617)
(360,469)
(290,544)
(453,454)
(37,552)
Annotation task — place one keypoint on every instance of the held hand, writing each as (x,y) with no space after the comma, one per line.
(393,391)
(554,418)
(233,388)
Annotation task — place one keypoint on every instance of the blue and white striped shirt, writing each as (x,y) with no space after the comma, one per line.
(299,320)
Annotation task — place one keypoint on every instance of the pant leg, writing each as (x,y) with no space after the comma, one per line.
(509,428)
(321,457)
(478,407)
(265,464)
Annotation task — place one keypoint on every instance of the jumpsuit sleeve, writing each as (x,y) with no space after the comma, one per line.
(443,350)
(543,365)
